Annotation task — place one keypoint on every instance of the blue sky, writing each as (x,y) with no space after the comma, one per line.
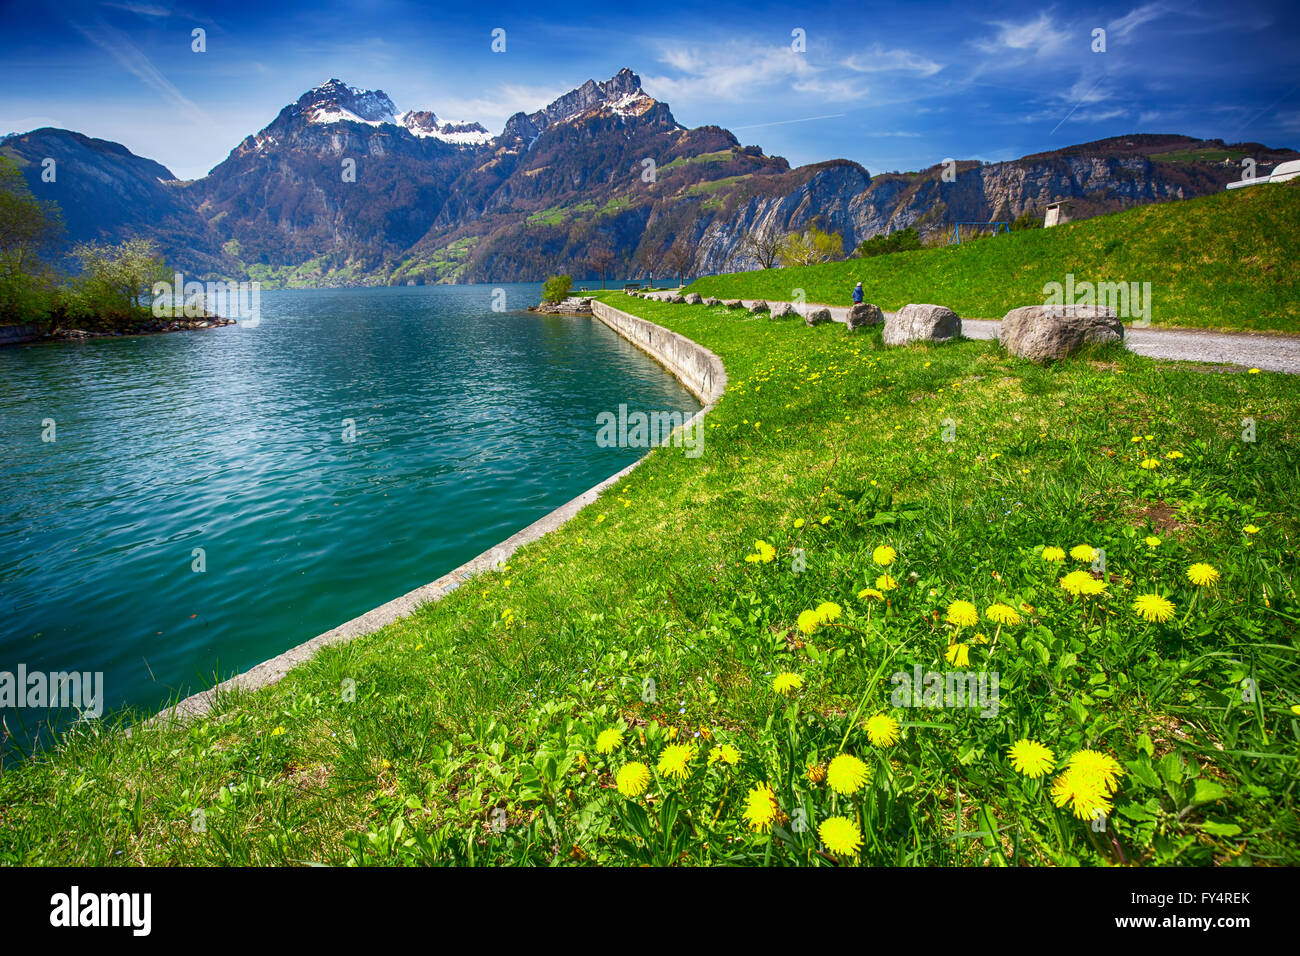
(893,86)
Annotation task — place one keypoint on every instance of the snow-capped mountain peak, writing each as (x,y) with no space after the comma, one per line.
(336,102)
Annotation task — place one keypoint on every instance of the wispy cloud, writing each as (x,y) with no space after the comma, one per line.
(877,60)
(1040,36)
(742,71)
(131,58)
(1135,18)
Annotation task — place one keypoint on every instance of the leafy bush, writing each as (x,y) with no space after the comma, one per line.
(556,288)
(899,241)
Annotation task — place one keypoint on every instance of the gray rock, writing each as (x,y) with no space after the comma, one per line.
(921,323)
(694,298)
(711,301)
(759,307)
(677,299)
(1045,333)
(733,303)
(784,311)
(864,313)
(817,317)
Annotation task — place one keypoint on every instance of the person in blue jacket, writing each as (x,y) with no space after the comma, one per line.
(857,294)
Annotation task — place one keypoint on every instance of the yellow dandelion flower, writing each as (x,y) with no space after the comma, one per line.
(808,621)
(609,740)
(815,773)
(1082,583)
(632,779)
(882,730)
(1031,758)
(1173,455)
(963,614)
(980,639)
(798,523)
(1083,552)
(1252,371)
(278,731)
(1053,553)
(762,552)
(1202,574)
(870,593)
(675,760)
(725,753)
(760,808)
(783,684)
(886,583)
(846,774)
(1002,614)
(1295,709)
(1152,541)
(958,654)
(1150,464)
(1085,795)
(884,555)
(1251,529)
(1153,608)
(826,519)
(840,835)
(827,612)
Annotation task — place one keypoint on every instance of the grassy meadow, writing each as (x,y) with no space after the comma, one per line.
(701,668)
(1227,261)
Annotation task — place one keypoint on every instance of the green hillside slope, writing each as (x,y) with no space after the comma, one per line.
(1226,261)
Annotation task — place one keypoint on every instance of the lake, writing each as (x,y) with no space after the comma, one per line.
(213,498)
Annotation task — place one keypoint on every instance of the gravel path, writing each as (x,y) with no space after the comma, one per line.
(1263,350)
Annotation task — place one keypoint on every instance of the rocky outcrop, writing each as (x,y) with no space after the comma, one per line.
(921,323)
(573,305)
(1046,333)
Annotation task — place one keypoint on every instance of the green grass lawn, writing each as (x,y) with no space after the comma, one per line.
(1228,261)
(494,727)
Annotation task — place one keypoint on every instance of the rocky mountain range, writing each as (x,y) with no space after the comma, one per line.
(343,188)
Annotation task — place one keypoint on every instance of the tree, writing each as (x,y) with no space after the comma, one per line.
(28,227)
(116,279)
(601,259)
(763,246)
(556,288)
(649,259)
(681,257)
(811,246)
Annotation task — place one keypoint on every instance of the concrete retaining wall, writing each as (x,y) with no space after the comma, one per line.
(693,365)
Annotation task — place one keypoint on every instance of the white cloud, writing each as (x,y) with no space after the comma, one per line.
(740,72)
(892,61)
(1133,19)
(1040,37)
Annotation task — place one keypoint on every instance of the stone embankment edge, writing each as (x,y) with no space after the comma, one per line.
(693,365)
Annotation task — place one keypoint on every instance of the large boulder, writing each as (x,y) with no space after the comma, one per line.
(1044,333)
(784,310)
(733,303)
(921,323)
(864,313)
(677,299)
(694,298)
(817,317)
(759,307)
(711,302)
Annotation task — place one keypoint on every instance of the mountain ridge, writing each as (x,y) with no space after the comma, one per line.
(602,167)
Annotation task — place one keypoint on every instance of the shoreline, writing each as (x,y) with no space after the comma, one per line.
(167,327)
(699,370)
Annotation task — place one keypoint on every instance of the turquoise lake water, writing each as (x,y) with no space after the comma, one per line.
(469,425)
